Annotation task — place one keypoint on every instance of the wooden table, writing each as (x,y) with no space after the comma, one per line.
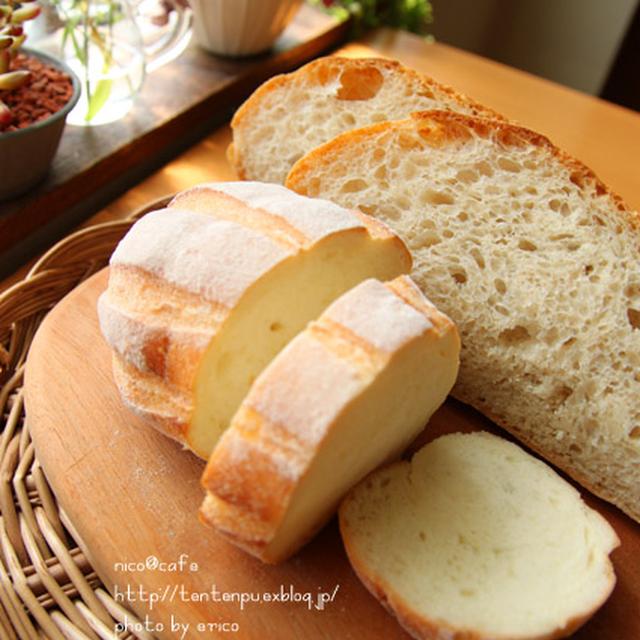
(604,136)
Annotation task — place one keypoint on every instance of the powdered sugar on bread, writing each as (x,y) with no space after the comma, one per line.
(203,294)
(386,321)
(214,258)
(345,395)
(314,218)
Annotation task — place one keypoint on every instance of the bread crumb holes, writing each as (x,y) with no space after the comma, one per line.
(527,245)
(459,275)
(351,186)
(430,196)
(514,335)
(633,315)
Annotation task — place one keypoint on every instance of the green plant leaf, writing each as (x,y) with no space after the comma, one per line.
(18,41)
(13,79)
(25,13)
(70,32)
(412,15)
(98,98)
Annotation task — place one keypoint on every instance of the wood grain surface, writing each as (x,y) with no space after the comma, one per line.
(132,494)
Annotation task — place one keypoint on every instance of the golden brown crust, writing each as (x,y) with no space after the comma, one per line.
(249,537)
(167,426)
(138,390)
(409,292)
(321,71)
(265,456)
(155,355)
(512,135)
(253,472)
(440,128)
(171,353)
(266,506)
(225,517)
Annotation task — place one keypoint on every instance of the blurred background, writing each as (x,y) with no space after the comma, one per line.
(590,45)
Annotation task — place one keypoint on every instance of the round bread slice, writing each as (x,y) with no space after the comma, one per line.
(347,394)
(475,538)
(204,294)
(533,258)
(291,114)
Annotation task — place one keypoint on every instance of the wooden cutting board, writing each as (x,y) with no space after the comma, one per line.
(132,495)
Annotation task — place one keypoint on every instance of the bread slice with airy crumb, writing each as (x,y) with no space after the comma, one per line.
(474,538)
(534,259)
(292,113)
(347,394)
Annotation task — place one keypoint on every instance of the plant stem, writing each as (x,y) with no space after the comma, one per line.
(85,46)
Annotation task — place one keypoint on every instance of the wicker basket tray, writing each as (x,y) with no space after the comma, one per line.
(48,589)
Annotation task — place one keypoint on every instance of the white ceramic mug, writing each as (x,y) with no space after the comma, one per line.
(240,27)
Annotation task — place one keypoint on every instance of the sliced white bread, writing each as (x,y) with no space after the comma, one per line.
(537,263)
(203,295)
(350,392)
(476,539)
(291,114)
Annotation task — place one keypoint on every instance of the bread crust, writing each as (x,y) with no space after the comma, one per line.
(155,354)
(423,628)
(179,274)
(321,71)
(437,129)
(153,343)
(597,489)
(260,461)
(165,409)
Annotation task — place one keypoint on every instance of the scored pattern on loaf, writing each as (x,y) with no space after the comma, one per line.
(147,396)
(151,246)
(305,220)
(247,244)
(310,396)
(185,278)
(534,259)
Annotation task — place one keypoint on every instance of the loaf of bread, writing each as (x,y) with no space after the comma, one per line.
(291,114)
(202,296)
(347,394)
(474,538)
(533,258)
